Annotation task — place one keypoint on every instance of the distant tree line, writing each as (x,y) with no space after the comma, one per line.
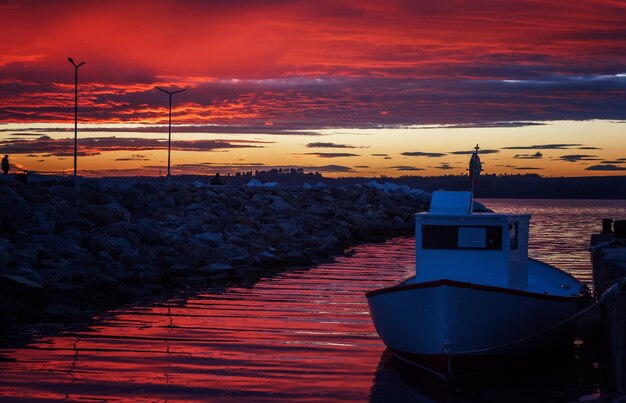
(530,186)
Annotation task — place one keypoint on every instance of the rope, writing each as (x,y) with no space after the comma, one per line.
(488,349)
(608,296)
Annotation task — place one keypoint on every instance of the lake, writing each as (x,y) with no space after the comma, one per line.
(300,335)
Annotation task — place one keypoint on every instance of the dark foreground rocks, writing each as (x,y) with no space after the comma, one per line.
(71,248)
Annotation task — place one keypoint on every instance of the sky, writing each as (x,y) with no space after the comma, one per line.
(346,88)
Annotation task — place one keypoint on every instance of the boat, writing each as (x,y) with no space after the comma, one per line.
(476,299)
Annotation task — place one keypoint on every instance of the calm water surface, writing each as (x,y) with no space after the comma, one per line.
(301,335)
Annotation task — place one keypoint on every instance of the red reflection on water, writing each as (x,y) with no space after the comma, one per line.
(302,335)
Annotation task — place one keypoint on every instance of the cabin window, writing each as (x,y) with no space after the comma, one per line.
(472,237)
(514,234)
(455,237)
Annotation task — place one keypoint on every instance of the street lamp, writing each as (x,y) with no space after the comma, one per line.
(76,66)
(169,138)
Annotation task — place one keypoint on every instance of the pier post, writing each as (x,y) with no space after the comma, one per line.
(608,255)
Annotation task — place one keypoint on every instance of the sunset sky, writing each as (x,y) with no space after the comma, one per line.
(395,87)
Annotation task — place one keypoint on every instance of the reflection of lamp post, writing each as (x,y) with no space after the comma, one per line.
(76,66)
(169,138)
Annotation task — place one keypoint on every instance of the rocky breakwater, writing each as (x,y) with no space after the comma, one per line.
(71,248)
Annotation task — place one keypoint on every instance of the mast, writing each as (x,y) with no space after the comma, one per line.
(475,167)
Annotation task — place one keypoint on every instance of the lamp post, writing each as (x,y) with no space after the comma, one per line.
(76,66)
(169,138)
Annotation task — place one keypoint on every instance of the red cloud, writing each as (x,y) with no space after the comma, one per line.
(314,64)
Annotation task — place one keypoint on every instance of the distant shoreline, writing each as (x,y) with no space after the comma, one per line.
(529,186)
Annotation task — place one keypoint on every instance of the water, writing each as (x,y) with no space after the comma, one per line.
(560,230)
(301,335)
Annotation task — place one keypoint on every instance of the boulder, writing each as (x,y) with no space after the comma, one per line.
(268,258)
(254,183)
(210,239)
(374,185)
(15,280)
(278,203)
(390,187)
(218,271)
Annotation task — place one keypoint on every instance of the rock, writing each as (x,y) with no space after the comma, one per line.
(278,203)
(42,222)
(243,260)
(218,271)
(6,248)
(63,192)
(297,259)
(374,185)
(230,250)
(390,187)
(19,281)
(182,197)
(271,184)
(268,258)
(103,241)
(148,233)
(64,313)
(254,183)
(101,216)
(421,195)
(15,212)
(210,239)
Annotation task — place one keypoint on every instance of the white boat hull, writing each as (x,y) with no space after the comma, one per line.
(436,323)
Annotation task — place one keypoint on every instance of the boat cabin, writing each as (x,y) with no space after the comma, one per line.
(454,243)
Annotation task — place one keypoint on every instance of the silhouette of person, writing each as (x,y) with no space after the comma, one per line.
(5,164)
(216,180)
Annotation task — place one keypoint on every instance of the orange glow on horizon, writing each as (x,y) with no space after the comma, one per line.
(301,68)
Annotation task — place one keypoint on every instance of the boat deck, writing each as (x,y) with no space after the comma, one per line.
(542,279)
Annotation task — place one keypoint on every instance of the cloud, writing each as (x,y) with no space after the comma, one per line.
(204,168)
(608,167)
(422,154)
(158,128)
(487,125)
(444,166)
(406,168)
(98,145)
(589,148)
(543,147)
(329,168)
(331,155)
(578,157)
(528,168)
(537,155)
(379,155)
(328,145)
(472,152)
(304,65)
(362,166)
(134,157)
(617,161)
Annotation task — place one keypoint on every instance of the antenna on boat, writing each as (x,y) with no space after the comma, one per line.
(475,167)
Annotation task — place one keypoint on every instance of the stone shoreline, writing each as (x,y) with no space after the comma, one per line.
(73,248)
